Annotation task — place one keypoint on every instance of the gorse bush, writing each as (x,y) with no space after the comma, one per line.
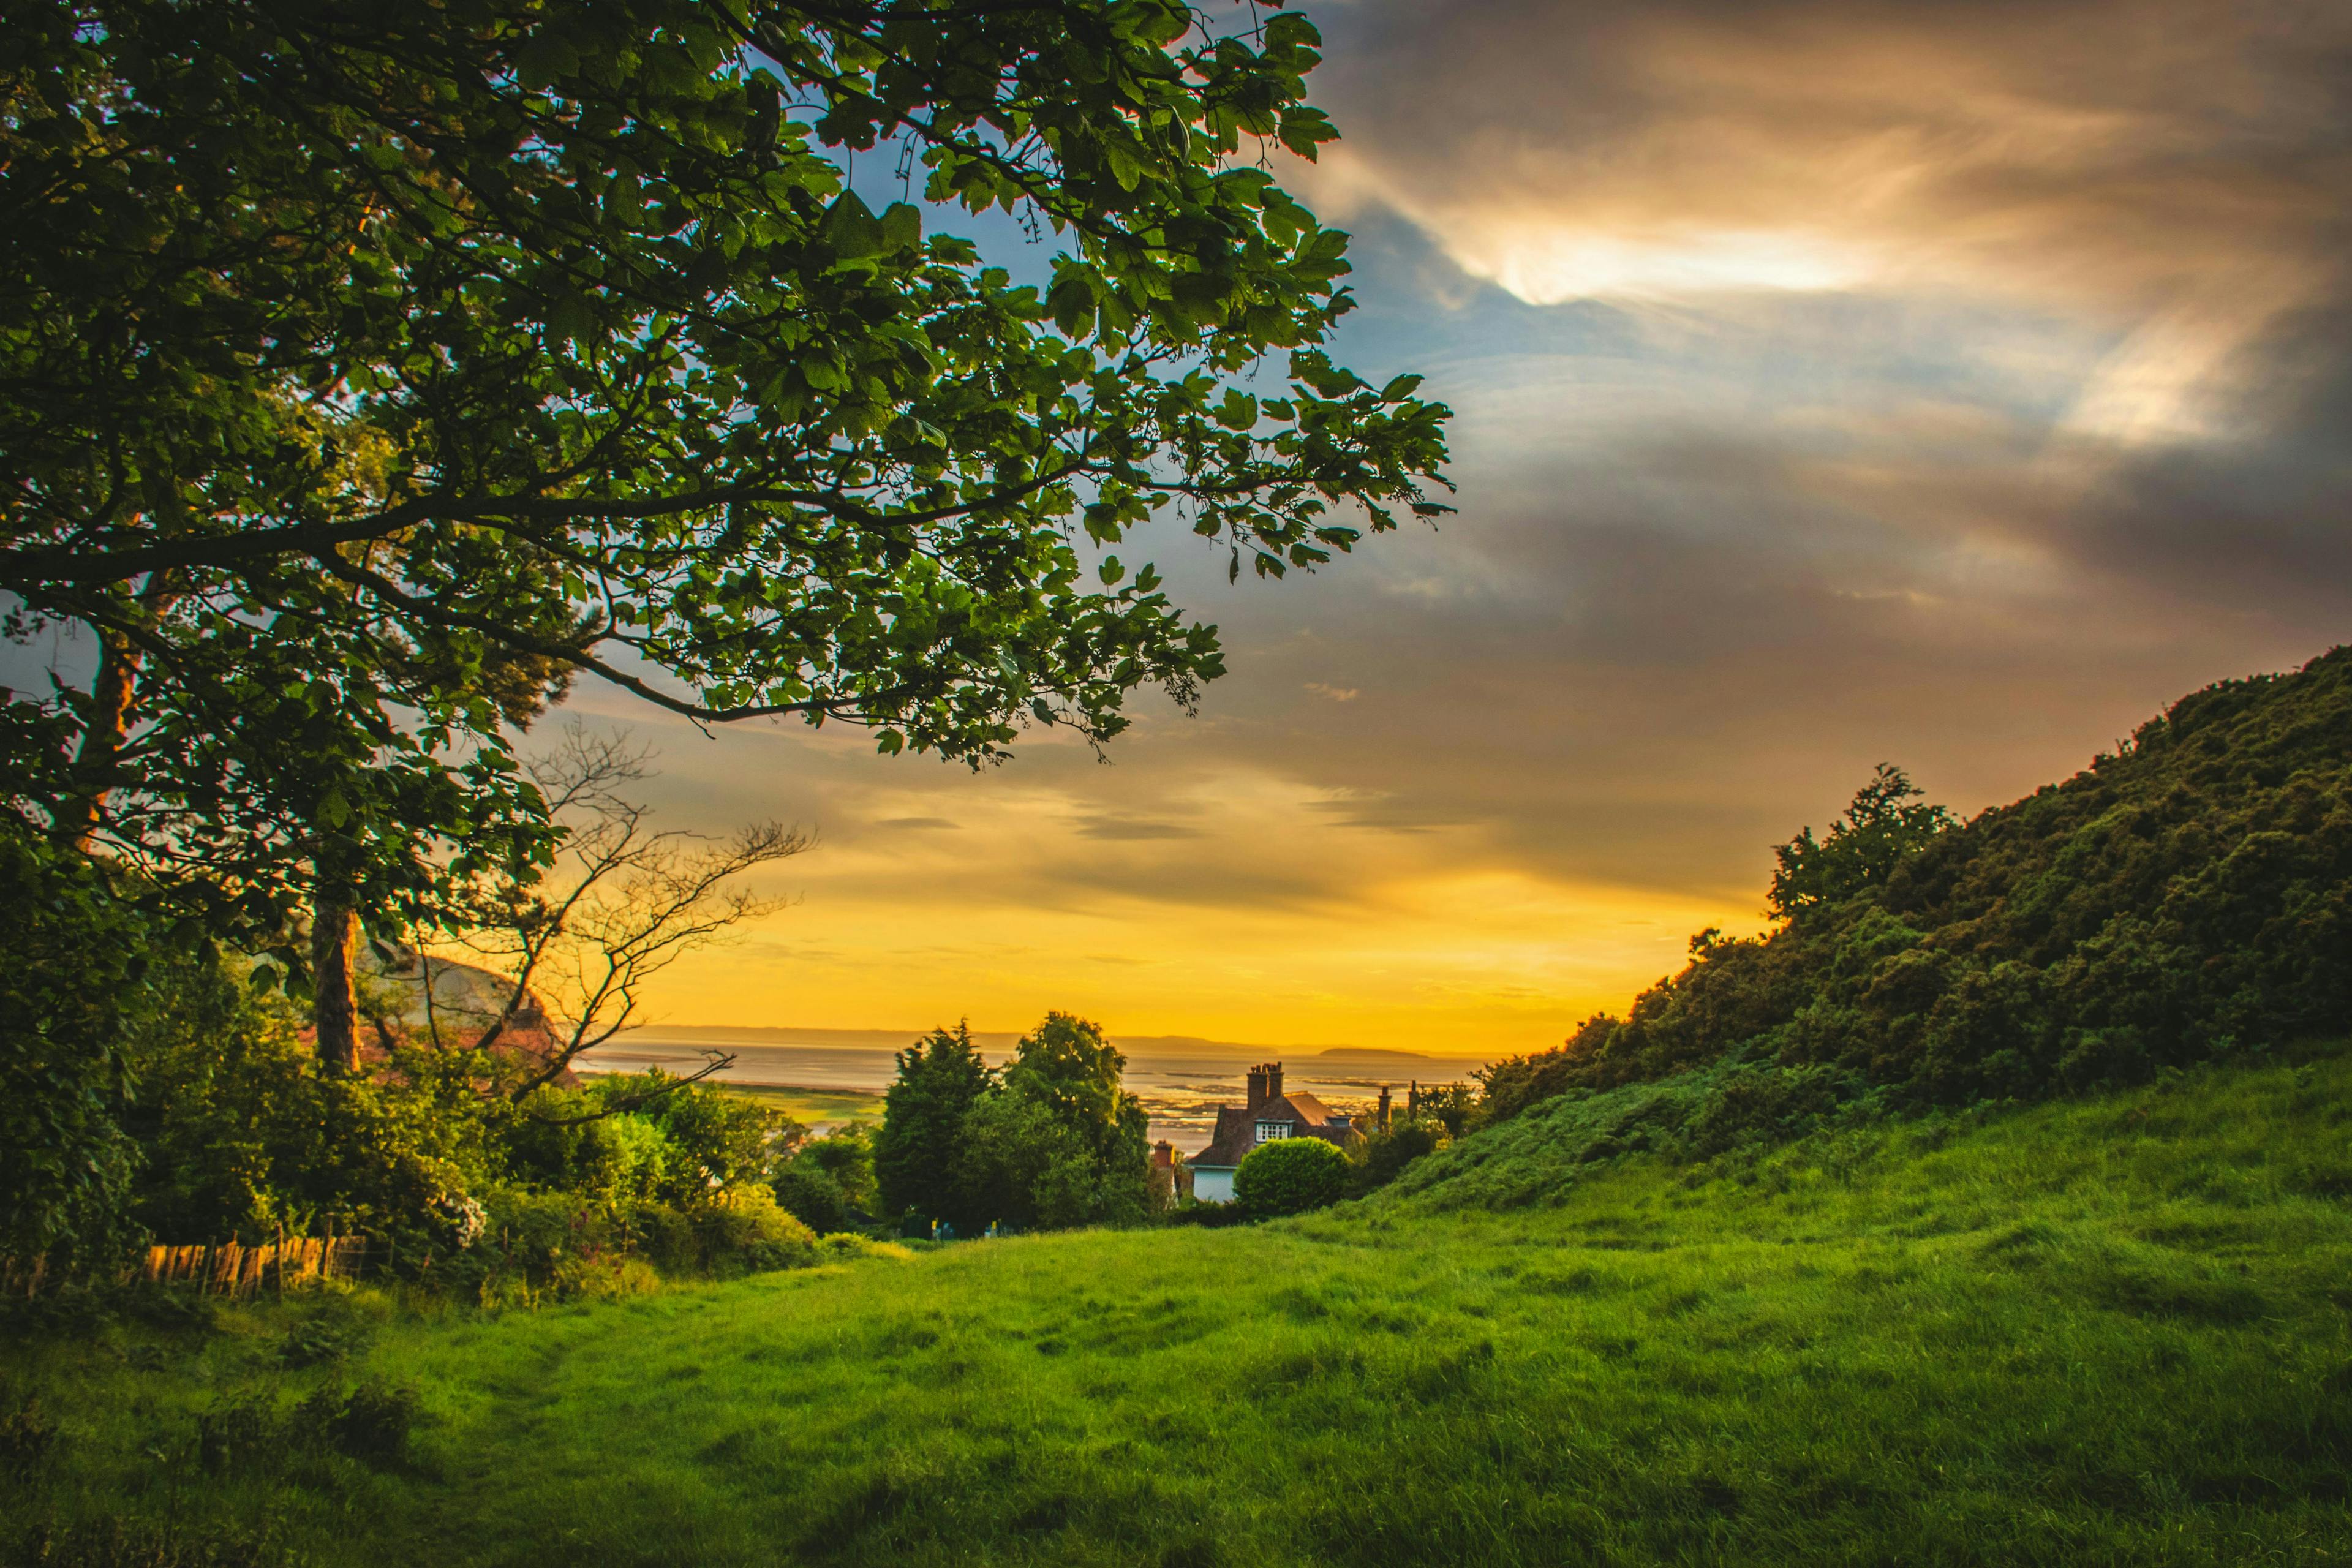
(1290,1175)
(2191,892)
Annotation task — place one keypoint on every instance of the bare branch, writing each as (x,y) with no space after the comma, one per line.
(624,901)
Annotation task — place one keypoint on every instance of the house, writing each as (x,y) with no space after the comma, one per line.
(1270,1114)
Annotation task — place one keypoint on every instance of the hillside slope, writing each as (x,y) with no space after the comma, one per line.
(2191,893)
(2112,1331)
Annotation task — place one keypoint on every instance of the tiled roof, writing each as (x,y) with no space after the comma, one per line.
(1237,1133)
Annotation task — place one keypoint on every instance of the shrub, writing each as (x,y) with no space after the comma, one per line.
(746,1231)
(1291,1175)
(76,976)
(846,1156)
(813,1197)
(1382,1156)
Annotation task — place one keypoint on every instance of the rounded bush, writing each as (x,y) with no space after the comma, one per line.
(813,1198)
(1291,1175)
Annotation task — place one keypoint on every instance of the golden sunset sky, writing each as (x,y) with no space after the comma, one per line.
(1945,384)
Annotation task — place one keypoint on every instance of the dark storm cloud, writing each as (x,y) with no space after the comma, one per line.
(1955,383)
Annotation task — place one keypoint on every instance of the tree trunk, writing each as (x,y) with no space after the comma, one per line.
(98,759)
(334,944)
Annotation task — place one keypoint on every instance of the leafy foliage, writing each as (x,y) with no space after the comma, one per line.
(918,1150)
(2188,894)
(1051,1141)
(1290,1175)
(373,374)
(1887,823)
(71,968)
(1381,1155)
(830,1181)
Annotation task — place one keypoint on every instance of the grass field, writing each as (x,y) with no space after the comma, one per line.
(813,1107)
(2107,1331)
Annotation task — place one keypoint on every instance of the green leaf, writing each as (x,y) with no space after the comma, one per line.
(902,227)
(1073,305)
(1288,28)
(851,229)
(1302,129)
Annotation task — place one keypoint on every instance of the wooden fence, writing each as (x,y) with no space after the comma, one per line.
(229,1269)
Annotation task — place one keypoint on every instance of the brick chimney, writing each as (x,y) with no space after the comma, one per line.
(1274,1081)
(1384,1108)
(1256,1088)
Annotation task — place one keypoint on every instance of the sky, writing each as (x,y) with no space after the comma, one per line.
(1952,385)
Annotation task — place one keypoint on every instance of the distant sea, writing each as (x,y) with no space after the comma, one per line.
(1180,1079)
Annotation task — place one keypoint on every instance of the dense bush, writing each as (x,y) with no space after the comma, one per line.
(2191,892)
(190,1108)
(828,1185)
(1290,1175)
(241,1136)
(1380,1156)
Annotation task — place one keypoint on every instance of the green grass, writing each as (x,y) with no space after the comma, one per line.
(813,1105)
(2107,1332)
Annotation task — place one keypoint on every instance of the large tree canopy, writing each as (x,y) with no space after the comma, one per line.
(364,369)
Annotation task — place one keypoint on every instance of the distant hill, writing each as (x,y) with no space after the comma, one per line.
(2188,896)
(462,995)
(994,1041)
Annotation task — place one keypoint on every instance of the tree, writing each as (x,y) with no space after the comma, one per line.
(1290,1175)
(1058,1141)
(1018,1166)
(1069,1067)
(917,1153)
(1879,830)
(352,358)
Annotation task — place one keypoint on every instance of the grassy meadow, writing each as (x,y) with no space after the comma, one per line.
(2114,1330)
(812,1107)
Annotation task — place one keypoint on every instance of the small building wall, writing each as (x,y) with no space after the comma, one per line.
(1212,1187)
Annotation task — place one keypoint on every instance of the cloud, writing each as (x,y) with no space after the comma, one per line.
(1944,384)
(1129,830)
(1731,143)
